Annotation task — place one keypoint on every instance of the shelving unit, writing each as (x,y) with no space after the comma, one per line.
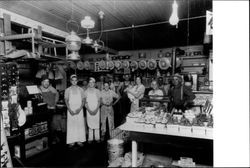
(35,134)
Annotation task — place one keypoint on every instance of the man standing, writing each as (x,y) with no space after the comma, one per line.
(181,96)
(93,113)
(107,112)
(74,99)
(50,97)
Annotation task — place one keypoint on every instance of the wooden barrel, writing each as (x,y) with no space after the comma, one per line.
(115,149)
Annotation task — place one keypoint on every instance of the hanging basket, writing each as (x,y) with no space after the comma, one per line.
(125,64)
(152,64)
(86,65)
(80,65)
(118,64)
(134,65)
(110,65)
(142,64)
(164,63)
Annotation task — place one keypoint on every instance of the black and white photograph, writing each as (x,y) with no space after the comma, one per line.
(121,83)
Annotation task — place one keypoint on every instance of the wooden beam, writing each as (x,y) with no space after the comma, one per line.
(22,20)
(1,34)
(17,36)
(7,31)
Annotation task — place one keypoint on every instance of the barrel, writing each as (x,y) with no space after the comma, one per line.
(115,149)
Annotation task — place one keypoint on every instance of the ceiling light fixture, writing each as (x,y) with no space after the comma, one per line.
(88,24)
(73,41)
(174,19)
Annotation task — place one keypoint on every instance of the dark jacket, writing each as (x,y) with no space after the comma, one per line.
(178,101)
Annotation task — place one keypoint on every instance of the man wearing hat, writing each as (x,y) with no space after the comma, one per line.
(181,97)
(92,105)
(50,97)
(74,99)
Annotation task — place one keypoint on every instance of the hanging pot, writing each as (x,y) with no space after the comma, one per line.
(125,64)
(164,63)
(110,65)
(134,65)
(80,65)
(152,64)
(118,64)
(102,64)
(86,65)
(142,64)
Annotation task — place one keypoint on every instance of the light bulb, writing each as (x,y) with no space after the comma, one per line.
(173,20)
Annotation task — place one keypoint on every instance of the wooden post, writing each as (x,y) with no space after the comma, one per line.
(7,31)
(2,51)
(173,61)
(134,154)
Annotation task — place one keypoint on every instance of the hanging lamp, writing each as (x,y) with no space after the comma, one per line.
(174,19)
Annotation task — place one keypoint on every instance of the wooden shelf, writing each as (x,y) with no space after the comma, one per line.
(193,57)
(38,136)
(193,66)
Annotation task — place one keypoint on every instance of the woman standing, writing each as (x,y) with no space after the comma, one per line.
(137,93)
(93,115)
(74,98)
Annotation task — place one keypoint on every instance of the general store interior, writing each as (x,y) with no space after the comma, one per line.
(110,39)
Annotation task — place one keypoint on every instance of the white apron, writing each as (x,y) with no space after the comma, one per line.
(75,123)
(93,121)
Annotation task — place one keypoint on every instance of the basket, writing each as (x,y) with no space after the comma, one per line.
(80,65)
(86,65)
(164,63)
(142,64)
(152,64)
(134,65)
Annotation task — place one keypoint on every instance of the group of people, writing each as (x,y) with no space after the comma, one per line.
(107,103)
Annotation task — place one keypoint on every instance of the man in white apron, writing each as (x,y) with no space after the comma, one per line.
(93,115)
(74,99)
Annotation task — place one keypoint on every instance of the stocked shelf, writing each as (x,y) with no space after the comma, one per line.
(30,139)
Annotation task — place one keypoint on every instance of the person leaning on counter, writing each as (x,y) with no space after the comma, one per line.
(181,96)
(50,97)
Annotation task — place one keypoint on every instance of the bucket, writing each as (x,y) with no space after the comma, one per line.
(115,149)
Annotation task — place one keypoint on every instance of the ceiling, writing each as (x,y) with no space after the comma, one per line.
(149,17)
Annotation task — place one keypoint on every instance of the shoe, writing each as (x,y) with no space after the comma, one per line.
(71,145)
(80,144)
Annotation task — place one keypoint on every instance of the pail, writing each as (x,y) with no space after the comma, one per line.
(115,149)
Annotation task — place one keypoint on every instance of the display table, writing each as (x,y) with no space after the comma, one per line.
(140,133)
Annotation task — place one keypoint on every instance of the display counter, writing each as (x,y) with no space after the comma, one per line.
(142,133)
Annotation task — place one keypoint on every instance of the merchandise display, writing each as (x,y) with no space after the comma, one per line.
(106,88)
